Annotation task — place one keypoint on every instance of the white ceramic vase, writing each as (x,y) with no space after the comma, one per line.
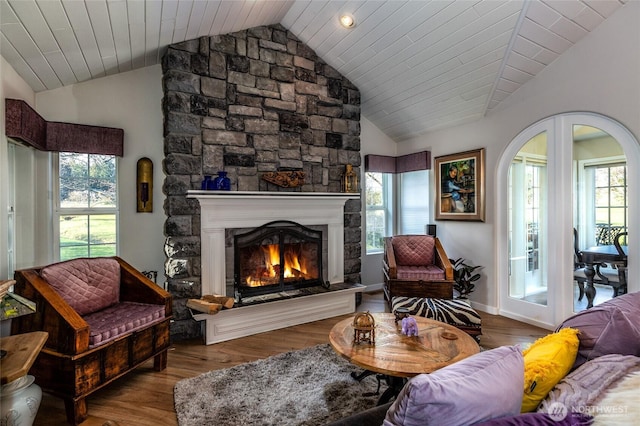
(19,402)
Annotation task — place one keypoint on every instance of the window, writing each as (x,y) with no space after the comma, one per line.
(412,215)
(86,205)
(414,202)
(610,183)
(604,201)
(378,210)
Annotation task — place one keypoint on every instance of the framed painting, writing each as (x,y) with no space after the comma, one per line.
(460,186)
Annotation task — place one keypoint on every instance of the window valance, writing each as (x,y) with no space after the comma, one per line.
(25,124)
(404,163)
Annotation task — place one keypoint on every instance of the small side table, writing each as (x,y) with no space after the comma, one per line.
(20,396)
(22,350)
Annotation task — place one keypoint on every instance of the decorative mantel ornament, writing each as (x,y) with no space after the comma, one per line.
(290,179)
(222,182)
(349,179)
(364,328)
(409,326)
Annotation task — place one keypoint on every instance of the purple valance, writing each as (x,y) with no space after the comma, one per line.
(404,163)
(26,125)
(379,163)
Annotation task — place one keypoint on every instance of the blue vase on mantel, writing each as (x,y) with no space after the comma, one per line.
(207,183)
(212,185)
(222,182)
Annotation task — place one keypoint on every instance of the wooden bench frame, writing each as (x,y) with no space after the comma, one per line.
(66,367)
(442,289)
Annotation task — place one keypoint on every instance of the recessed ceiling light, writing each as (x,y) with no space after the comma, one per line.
(347,21)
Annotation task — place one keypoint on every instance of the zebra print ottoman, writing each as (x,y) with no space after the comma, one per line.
(456,312)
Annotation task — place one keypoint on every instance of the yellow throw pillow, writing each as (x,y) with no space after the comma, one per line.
(546,362)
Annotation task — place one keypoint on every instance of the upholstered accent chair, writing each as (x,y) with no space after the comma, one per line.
(416,266)
(104,318)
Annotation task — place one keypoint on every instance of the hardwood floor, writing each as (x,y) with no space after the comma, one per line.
(145,397)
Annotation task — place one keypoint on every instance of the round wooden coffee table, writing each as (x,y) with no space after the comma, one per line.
(398,356)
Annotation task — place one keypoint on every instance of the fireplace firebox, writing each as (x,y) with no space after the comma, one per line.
(277,257)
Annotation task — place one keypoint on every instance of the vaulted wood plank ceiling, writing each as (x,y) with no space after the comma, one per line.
(420,65)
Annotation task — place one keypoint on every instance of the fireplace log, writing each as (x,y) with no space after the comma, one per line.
(226,302)
(204,306)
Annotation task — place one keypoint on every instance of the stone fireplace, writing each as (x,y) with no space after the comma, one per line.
(250,103)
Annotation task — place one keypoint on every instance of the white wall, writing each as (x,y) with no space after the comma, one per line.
(131,101)
(599,74)
(373,142)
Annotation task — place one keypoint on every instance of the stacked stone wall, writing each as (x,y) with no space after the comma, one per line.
(248,103)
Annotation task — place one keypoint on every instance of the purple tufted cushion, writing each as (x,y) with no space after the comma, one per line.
(413,250)
(416,273)
(114,321)
(87,285)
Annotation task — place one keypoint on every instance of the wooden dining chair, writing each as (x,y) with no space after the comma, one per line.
(605,274)
(623,278)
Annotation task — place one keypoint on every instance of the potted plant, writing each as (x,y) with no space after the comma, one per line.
(464,276)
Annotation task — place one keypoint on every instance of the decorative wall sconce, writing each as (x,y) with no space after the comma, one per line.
(349,179)
(144,185)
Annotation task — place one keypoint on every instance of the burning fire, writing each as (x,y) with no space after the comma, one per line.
(294,266)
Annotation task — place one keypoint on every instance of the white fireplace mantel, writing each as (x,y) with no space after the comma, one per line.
(221,210)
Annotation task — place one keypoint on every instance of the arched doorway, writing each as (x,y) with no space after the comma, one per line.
(543,194)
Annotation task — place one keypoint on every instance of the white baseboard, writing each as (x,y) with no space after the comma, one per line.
(485,308)
(373,288)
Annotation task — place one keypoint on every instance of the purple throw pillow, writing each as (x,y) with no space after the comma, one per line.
(484,386)
(613,327)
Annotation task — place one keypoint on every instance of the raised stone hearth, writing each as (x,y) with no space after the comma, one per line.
(220,210)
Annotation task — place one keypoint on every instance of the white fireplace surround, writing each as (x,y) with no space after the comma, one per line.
(220,210)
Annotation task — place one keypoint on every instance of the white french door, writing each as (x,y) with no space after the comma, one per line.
(537,210)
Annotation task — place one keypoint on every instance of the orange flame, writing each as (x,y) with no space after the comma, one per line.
(294,266)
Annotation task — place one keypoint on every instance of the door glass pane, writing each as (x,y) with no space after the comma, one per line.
(600,213)
(527,222)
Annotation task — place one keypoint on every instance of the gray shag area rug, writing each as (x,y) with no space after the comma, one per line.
(308,387)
